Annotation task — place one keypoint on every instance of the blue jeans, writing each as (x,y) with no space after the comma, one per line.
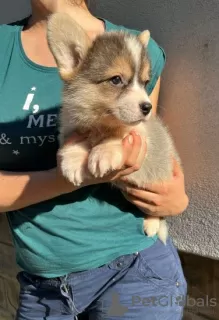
(145,285)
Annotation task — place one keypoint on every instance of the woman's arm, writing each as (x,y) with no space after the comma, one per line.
(19,190)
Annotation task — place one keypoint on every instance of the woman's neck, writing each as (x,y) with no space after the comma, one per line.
(41,9)
(34,38)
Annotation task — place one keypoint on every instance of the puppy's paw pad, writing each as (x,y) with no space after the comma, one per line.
(151,226)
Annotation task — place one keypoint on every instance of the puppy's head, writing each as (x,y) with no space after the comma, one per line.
(105,78)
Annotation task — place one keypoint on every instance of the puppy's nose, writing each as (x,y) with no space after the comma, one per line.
(145,108)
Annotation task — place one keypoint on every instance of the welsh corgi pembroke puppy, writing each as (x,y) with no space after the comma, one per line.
(104,95)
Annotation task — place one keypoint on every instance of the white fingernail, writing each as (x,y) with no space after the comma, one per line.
(130,139)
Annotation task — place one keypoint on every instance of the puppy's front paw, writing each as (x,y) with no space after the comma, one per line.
(72,163)
(151,226)
(71,172)
(105,158)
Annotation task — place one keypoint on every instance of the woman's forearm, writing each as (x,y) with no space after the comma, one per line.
(19,190)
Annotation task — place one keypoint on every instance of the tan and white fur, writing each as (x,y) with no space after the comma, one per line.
(104,95)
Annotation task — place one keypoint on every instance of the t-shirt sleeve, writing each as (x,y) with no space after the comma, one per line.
(157,58)
(6,44)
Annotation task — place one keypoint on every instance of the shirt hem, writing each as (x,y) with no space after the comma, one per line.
(89,266)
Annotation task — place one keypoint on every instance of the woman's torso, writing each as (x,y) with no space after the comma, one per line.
(78,231)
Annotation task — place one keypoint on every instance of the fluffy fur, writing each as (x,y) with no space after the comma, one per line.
(104,95)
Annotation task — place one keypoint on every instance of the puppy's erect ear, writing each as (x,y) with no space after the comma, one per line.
(144,37)
(68,43)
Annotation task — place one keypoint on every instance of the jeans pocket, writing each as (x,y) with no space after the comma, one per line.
(182,280)
(161,269)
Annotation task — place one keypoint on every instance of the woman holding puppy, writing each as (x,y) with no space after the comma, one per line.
(81,249)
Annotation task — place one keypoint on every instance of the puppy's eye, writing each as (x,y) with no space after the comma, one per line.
(117,80)
(146,82)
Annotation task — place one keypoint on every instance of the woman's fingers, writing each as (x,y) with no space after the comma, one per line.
(148,208)
(134,150)
(127,145)
(132,157)
(143,195)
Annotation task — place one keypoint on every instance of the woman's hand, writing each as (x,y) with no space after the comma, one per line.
(166,199)
(132,161)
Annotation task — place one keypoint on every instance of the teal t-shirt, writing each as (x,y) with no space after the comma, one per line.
(78,231)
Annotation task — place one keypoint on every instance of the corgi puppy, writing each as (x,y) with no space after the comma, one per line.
(104,95)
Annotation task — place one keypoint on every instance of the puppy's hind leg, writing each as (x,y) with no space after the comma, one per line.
(151,225)
(163,231)
(156,226)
